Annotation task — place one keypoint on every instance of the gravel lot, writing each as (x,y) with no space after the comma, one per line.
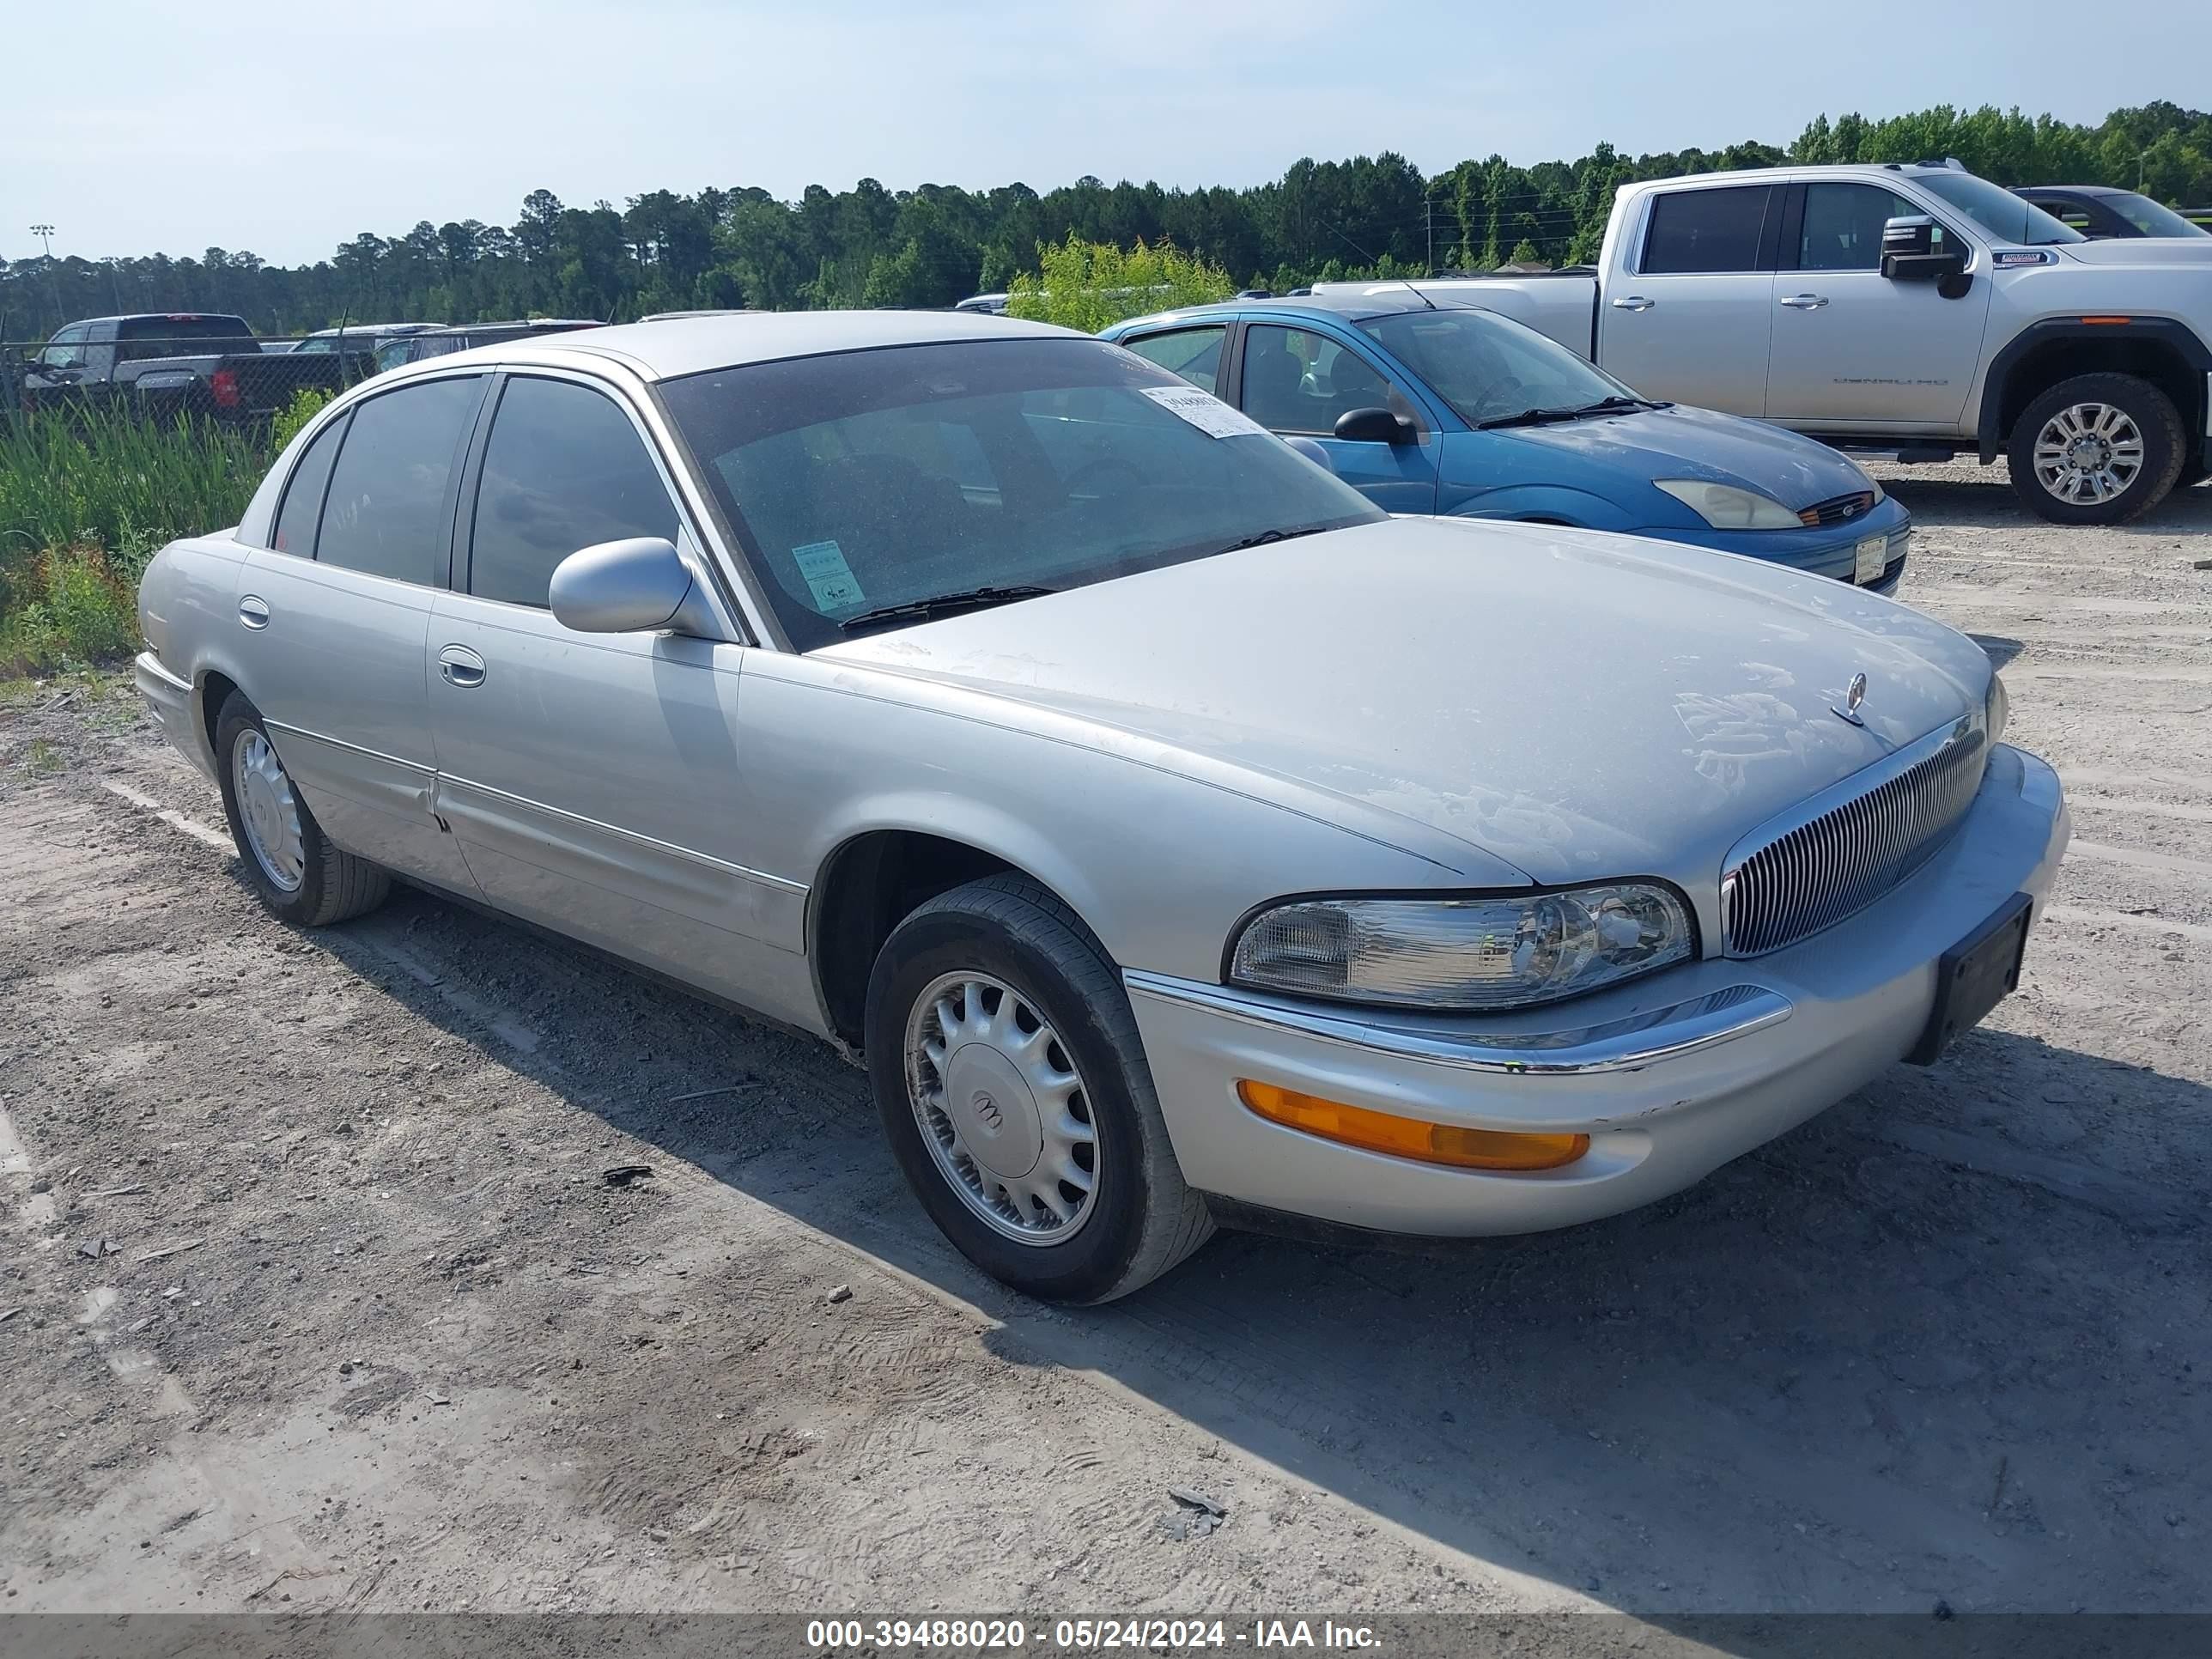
(409,1349)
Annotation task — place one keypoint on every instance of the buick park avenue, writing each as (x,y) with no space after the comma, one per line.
(1177,838)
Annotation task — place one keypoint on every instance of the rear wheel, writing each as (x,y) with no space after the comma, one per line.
(2096,449)
(289,861)
(1012,1085)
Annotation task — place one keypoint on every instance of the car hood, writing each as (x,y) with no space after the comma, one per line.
(1680,442)
(1574,703)
(2141,250)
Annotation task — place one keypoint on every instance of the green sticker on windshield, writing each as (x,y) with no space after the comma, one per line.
(828,577)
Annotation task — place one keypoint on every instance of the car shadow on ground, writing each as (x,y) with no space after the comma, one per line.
(1921,1349)
(1987,503)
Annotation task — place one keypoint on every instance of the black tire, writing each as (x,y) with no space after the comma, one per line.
(1144,1218)
(334,885)
(2164,448)
(2193,473)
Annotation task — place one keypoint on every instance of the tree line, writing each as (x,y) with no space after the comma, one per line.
(932,246)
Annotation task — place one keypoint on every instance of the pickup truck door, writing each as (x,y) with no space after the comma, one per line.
(1853,350)
(1686,311)
(1297,382)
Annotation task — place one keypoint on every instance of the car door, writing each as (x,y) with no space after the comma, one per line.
(1196,354)
(592,779)
(1299,382)
(61,361)
(332,619)
(1689,315)
(1853,350)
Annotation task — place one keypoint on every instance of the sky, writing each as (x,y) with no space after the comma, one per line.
(288,127)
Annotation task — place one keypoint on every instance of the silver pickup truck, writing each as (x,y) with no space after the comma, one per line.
(1918,310)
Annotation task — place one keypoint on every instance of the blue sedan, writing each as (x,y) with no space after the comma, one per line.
(1447,409)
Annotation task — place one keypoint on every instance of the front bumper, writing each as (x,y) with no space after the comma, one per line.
(1829,550)
(1670,1078)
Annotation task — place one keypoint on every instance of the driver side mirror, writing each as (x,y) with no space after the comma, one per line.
(1374,426)
(1914,249)
(637,585)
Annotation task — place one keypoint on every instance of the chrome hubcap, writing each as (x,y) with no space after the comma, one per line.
(268,810)
(2089,453)
(1001,1107)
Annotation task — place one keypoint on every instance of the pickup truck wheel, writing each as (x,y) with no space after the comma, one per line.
(290,862)
(2096,449)
(1012,1085)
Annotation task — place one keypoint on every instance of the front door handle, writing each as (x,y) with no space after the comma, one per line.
(1633,303)
(459,665)
(253,611)
(1806,301)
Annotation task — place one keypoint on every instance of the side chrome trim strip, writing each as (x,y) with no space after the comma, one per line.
(1619,1045)
(351,748)
(723,866)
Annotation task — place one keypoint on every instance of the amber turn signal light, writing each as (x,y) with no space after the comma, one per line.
(1408,1137)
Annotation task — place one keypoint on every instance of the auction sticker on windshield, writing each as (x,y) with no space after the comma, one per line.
(1204,410)
(828,577)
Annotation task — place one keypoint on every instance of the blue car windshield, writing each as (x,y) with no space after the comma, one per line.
(1487,367)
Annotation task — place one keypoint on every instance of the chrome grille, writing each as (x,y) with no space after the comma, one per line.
(1837,509)
(1841,851)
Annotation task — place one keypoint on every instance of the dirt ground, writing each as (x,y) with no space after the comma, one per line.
(313,1294)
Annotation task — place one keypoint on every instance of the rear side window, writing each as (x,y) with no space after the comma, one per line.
(303,495)
(390,510)
(1193,353)
(564,468)
(1704,231)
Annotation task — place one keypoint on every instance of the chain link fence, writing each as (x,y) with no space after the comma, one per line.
(125,368)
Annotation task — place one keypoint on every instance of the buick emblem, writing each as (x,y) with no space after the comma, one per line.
(988,1114)
(1854,694)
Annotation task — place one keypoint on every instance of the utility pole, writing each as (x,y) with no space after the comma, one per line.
(46,234)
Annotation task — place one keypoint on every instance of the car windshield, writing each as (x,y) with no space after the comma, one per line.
(2002,217)
(2152,218)
(869,479)
(1487,367)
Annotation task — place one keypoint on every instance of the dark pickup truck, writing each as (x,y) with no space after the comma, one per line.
(202,363)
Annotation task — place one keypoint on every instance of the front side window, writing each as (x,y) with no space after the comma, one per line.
(66,350)
(564,468)
(1487,367)
(2001,215)
(389,511)
(1844,224)
(1706,231)
(303,494)
(1298,381)
(869,479)
(1193,353)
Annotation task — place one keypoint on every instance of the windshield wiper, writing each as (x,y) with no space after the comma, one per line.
(1548,417)
(1267,536)
(944,604)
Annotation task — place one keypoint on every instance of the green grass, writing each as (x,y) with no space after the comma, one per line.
(84,502)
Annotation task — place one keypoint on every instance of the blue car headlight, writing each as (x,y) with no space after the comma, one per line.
(1724,506)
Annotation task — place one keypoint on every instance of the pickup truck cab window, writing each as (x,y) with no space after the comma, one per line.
(1298,381)
(1193,353)
(564,468)
(389,510)
(66,350)
(1843,224)
(1707,232)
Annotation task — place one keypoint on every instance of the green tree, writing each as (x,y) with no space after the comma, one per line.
(1090,285)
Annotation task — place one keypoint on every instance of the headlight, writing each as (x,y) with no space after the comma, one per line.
(1472,954)
(1726,507)
(1997,709)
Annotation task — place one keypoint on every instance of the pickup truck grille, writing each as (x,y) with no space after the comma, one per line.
(1840,509)
(1843,849)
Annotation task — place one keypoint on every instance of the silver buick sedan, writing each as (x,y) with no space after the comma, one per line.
(1177,838)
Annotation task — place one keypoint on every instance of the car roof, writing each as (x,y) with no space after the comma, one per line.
(2071,190)
(692,345)
(1380,299)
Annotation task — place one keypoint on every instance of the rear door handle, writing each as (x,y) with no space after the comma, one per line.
(459,665)
(253,611)
(1806,301)
(1633,303)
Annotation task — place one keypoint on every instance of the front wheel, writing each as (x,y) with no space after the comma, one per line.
(290,862)
(1012,1085)
(2096,449)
